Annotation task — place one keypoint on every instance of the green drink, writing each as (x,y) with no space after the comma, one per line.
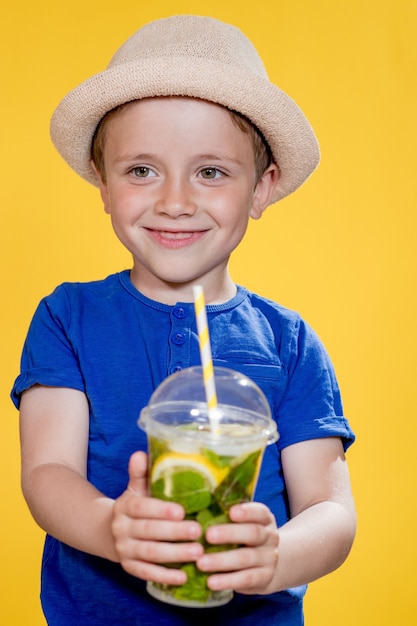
(205,463)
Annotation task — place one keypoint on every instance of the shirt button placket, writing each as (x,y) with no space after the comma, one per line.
(179,339)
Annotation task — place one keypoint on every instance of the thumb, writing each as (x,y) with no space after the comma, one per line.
(138,473)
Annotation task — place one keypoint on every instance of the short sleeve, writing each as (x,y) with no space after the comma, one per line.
(48,357)
(311,405)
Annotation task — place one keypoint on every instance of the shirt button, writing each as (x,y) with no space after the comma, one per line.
(179,339)
(177,368)
(179,312)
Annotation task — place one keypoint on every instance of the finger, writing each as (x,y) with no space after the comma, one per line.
(242,534)
(248,581)
(239,559)
(133,505)
(164,530)
(153,572)
(254,512)
(161,552)
(138,473)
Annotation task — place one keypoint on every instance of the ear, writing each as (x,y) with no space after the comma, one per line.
(264,191)
(103,188)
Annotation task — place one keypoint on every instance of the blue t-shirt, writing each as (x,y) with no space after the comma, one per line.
(111,342)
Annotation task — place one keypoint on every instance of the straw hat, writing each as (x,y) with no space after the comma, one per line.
(189,55)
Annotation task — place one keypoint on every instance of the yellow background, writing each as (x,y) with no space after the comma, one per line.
(341,250)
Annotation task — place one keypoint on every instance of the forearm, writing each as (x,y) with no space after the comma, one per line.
(312,544)
(70,509)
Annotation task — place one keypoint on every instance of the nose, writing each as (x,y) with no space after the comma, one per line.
(176,198)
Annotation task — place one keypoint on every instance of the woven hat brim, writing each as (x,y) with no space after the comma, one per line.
(278,117)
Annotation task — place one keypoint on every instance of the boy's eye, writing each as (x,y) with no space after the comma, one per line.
(210,173)
(142,171)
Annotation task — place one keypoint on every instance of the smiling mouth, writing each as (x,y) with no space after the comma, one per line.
(175,239)
(166,234)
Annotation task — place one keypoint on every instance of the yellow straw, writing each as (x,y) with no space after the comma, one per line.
(205,349)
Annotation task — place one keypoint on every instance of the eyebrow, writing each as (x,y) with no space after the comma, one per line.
(148,156)
(123,158)
(217,157)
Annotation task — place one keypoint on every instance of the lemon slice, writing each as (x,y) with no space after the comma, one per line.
(187,479)
(170,463)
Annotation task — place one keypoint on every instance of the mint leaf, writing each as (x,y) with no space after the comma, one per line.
(234,489)
(216,459)
(195,588)
(185,487)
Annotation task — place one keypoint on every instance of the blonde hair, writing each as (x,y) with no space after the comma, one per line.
(261,149)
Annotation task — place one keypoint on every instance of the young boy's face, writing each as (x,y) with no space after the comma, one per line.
(180,187)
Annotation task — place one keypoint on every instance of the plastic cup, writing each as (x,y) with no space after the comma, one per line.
(206,461)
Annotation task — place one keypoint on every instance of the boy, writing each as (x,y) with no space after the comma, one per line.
(186,139)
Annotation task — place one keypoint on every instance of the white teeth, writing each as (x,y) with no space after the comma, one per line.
(170,235)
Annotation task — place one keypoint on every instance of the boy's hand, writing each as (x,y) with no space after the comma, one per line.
(149,532)
(251,568)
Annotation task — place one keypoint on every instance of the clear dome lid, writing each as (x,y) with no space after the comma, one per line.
(180,400)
